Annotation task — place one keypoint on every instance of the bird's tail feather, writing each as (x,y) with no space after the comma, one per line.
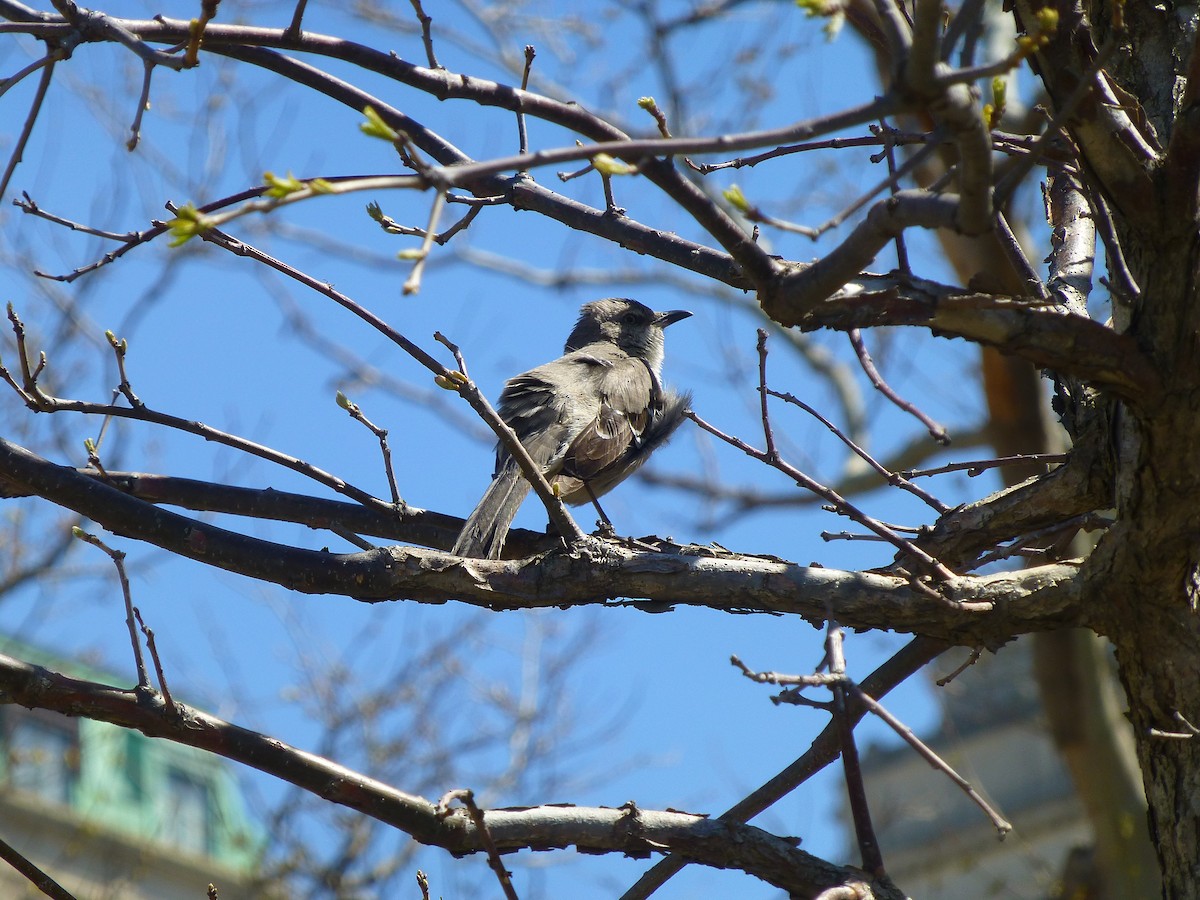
(486,528)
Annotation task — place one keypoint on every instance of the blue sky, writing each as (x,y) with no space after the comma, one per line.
(211,338)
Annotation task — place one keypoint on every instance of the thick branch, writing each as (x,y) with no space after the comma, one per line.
(803,288)
(1068,343)
(1078,487)
(1033,600)
(625,830)
(409,524)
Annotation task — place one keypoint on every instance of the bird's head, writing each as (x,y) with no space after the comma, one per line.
(632,326)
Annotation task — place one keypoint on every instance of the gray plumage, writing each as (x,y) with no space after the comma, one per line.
(590,418)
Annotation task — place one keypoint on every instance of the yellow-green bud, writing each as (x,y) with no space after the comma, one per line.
(280,187)
(733,194)
(607,165)
(376,127)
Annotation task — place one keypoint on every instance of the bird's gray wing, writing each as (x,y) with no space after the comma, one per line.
(628,394)
(535,410)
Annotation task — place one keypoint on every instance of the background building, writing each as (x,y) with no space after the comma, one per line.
(937,844)
(110,813)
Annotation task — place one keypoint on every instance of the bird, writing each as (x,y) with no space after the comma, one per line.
(589,419)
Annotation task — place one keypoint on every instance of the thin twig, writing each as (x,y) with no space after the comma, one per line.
(350,537)
(93,449)
(890,183)
(32,873)
(412,284)
(37,399)
(936,431)
(610,202)
(1124,288)
(467,797)
(282,192)
(754,213)
(293,31)
(133,239)
(522,135)
(817,679)
(891,477)
(856,791)
(895,479)
(823,750)
(17,77)
(967,23)
(466,173)
(1015,254)
(154,658)
(118,558)
(1054,535)
(426,33)
(391,226)
(1190,732)
(889,152)
(27,129)
(208,12)
(978,466)
(120,350)
(768,435)
(834,679)
(897,138)
(1003,827)
(828,536)
(142,105)
(459,360)
(972,658)
(843,507)
(381,434)
(660,119)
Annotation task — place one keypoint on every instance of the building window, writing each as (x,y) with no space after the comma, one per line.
(188,812)
(42,753)
(133,765)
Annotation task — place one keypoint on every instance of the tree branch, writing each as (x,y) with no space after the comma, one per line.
(1104,126)
(1036,599)
(1069,343)
(626,829)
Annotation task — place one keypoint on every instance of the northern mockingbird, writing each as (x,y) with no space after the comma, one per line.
(590,418)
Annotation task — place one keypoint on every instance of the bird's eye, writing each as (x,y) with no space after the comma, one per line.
(630,318)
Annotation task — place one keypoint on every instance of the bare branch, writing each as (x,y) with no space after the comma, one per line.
(118,558)
(936,431)
(32,873)
(1069,344)
(628,829)
(35,109)
(1036,599)
(824,750)
(838,503)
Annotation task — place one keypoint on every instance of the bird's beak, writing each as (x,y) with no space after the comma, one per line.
(662,320)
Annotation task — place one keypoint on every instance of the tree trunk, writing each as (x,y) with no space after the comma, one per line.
(1145,572)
